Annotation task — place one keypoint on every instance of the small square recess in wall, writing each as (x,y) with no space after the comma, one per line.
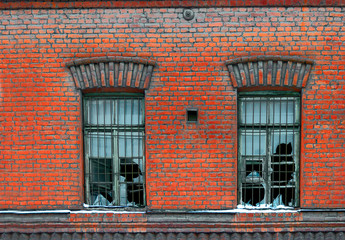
(192,115)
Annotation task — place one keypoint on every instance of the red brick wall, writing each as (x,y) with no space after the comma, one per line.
(189,166)
(49,4)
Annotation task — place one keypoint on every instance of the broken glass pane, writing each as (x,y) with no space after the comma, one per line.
(253,194)
(130,169)
(282,161)
(283,142)
(133,179)
(254,173)
(285,195)
(100,200)
(136,193)
(101,179)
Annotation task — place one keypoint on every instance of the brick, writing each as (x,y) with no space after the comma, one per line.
(180,65)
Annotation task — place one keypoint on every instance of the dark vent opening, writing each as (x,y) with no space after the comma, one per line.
(192,115)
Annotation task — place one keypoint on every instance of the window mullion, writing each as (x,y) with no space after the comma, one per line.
(87,172)
(239,167)
(115,168)
(245,152)
(269,165)
(252,156)
(267,161)
(296,151)
(116,174)
(87,151)
(263,173)
(243,160)
(286,188)
(141,134)
(98,150)
(104,173)
(131,144)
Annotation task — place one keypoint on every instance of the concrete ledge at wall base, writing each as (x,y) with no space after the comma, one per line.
(211,216)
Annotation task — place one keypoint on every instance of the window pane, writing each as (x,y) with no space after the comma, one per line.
(282,111)
(253,143)
(123,191)
(100,145)
(101,170)
(283,142)
(253,111)
(130,144)
(101,181)
(100,112)
(254,172)
(129,112)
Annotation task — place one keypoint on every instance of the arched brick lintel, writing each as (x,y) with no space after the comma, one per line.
(108,72)
(269,71)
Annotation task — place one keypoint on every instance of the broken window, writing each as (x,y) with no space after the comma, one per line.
(269,133)
(114,150)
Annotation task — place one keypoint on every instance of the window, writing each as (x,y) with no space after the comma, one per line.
(114,150)
(269,133)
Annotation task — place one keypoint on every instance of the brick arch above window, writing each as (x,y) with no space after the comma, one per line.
(108,72)
(269,71)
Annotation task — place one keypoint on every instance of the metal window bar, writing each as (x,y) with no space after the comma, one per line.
(114,151)
(268,177)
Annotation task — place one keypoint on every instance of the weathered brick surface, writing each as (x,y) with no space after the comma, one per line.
(141,225)
(189,166)
(48,4)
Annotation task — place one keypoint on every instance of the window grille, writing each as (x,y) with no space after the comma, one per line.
(269,133)
(114,150)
